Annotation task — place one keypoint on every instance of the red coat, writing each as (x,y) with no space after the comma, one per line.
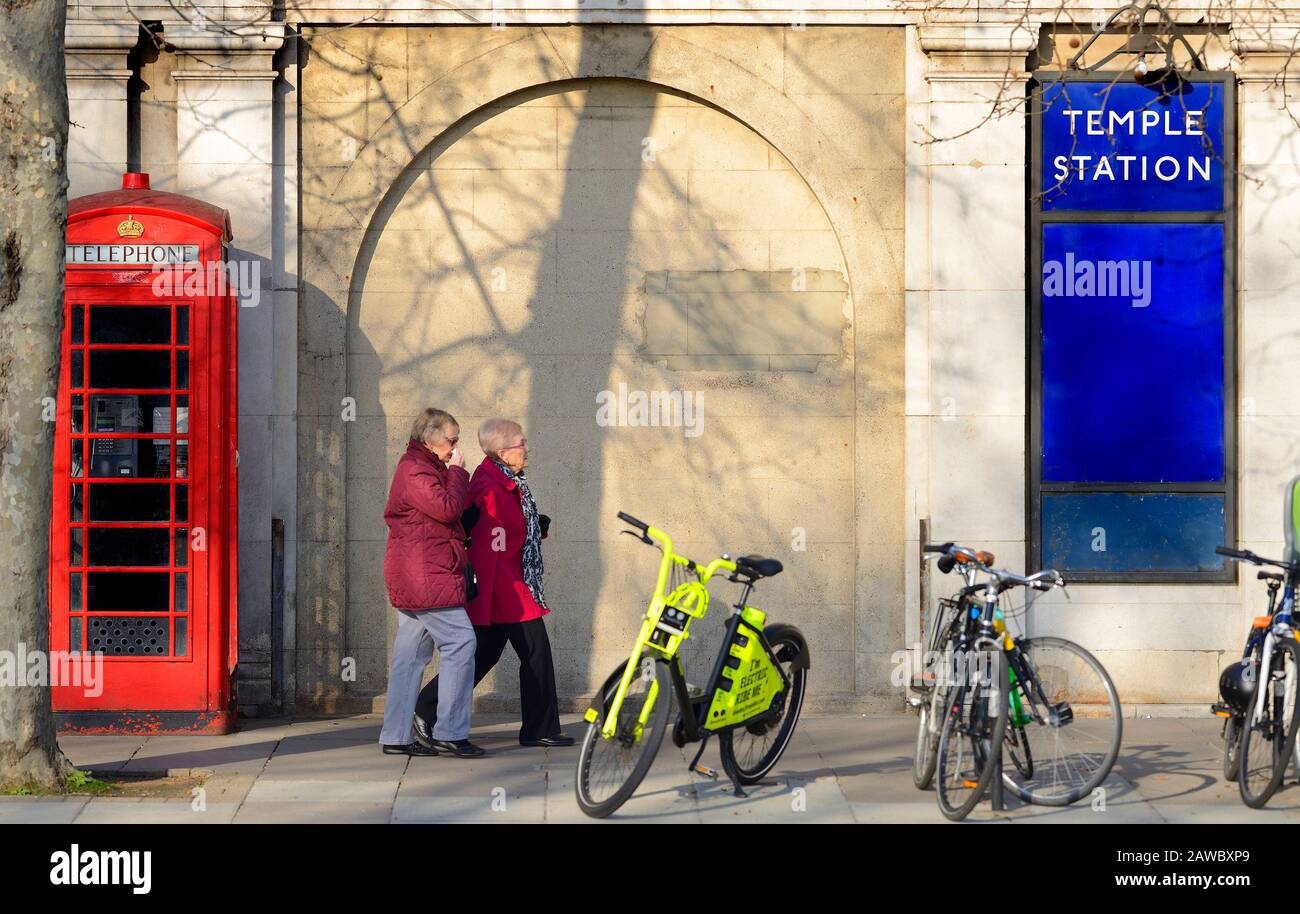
(424,563)
(502,594)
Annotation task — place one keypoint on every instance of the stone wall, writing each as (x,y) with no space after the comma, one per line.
(513,221)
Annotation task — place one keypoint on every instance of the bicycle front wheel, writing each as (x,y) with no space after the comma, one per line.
(1231,748)
(975,721)
(750,751)
(1069,723)
(1267,740)
(610,768)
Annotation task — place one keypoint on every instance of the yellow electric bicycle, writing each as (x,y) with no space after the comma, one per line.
(751,701)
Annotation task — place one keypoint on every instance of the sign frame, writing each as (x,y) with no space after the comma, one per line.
(1036,219)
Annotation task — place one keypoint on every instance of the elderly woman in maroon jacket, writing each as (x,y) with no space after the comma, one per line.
(424,568)
(506,551)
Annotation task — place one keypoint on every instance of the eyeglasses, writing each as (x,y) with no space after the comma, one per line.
(523,444)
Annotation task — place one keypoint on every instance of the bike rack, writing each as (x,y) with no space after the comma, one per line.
(996,797)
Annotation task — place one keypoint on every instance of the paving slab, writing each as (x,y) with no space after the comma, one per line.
(838,768)
(101,753)
(322,791)
(106,810)
(40,810)
(318,812)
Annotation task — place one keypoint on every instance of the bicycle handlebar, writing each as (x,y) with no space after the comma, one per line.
(632,521)
(952,553)
(1245,555)
(655,537)
(1039,580)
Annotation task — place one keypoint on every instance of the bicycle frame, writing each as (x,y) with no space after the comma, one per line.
(666,625)
(1025,692)
(1279,628)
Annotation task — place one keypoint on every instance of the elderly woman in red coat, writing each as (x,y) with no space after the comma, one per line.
(424,569)
(506,552)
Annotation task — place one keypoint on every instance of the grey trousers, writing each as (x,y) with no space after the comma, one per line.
(417,635)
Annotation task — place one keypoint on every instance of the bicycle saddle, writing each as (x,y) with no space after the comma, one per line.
(759,566)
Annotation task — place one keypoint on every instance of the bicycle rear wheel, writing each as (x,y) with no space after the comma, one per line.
(611,768)
(1268,741)
(750,751)
(975,721)
(926,756)
(1071,726)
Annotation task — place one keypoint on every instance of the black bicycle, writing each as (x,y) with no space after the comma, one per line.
(1046,701)
(1261,690)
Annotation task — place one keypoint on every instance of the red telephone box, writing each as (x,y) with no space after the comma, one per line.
(144,534)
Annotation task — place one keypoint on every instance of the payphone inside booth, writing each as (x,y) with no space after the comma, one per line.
(144,532)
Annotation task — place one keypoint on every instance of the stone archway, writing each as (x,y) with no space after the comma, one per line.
(364,200)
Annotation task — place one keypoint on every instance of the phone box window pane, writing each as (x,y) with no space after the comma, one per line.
(78,325)
(182,503)
(149,502)
(137,324)
(74,545)
(182,638)
(182,326)
(126,546)
(182,592)
(148,368)
(182,546)
(74,592)
(76,378)
(122,458)
(74,635)
(75,504)
(128,591)
(78,413)
(182,369)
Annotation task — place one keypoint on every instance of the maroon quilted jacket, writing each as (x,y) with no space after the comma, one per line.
(424,563)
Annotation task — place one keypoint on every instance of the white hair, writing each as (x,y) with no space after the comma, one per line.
(494,435)
(430,426)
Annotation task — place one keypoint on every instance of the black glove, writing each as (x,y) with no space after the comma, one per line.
(545,521)
(468,518)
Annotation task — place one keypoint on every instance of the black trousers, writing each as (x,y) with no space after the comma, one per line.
(541,711)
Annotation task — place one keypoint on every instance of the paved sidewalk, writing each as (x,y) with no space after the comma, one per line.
(840,768)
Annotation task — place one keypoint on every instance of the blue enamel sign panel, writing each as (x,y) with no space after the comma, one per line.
(1132,390)
(1132,352)
(1119,146)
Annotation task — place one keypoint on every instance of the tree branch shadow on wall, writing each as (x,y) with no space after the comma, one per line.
(551,390)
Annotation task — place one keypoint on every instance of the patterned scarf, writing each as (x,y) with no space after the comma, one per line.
(532,551)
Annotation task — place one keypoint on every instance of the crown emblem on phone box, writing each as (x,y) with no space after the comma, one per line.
(130,227)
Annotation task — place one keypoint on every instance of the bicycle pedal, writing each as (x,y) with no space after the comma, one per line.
(706,771)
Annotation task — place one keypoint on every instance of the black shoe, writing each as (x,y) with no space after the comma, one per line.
(461,748)
(410,749)
(549,742)
(423,732)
